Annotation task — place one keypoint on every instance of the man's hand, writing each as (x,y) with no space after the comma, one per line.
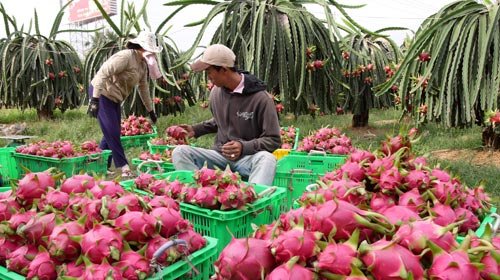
(93,107)
(153,117)
(232,150)
(189,129)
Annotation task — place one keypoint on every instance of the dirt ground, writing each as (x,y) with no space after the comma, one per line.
(476,157)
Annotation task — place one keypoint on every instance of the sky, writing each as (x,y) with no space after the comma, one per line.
(375,15)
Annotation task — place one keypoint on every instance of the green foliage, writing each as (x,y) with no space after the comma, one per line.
(170,95)
(273,39)
(37,71)
(461,80)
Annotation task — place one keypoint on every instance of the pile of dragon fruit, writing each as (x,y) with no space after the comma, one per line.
(211,189)
(382,215)
(329,140)
(174,135)
(59,149)
(87,229)
(288,135)
(135,125)
(166,156)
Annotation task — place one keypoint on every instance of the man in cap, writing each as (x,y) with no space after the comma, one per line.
(244,120)
(114,81)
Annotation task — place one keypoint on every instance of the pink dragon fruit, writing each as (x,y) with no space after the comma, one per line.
(174,189)
(400,214)
(137,226)
(102,271)
(353,171)
(291,271)
(102,243)
(56,199)
(20,259)
(443,214)
(158,187)
(227,178)
(378,166)
(491,262)
(7,246)
(415,235)
(8,206)
(361,155)
(295,242)
(291,218)
(33,186)
(130,202)
(231,198)
(394,144)
(92,210)
(107,188)
(244,259)
(42,267)
(133,266)
(206,176)
(78,184)
(452,265)
(445,192)
(165,201)
(441,175)
(471,221)
(170,221)
(168,257)
(143,181)
(403,263)
(61,246)
(266,232)
(194,240)
(412,199)
(337,258)
(4,195)
(380,202)
(17,220)
(390,179)
(206,197)
(38,228)
(417,179)
(71,269)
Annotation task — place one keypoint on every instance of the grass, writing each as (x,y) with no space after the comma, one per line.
(76,126)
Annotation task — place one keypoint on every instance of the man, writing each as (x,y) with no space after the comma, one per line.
(244,118)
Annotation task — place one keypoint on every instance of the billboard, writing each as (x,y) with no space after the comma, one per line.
(85,11)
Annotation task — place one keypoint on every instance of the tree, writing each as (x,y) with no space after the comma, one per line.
(38,71)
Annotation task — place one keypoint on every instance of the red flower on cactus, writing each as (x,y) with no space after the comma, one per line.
(52,76)
(156,100)
(177,99)
(62,74)
(280,107)
(49,61)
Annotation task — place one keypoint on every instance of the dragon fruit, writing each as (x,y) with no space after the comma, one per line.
(361,156)
(491,262)
(441,175)
(168,257)
(102,243)
(400,214)
(290,218)
(71,269)
(158,187)
(61,246)
(227,178)
(353,171)
(291,271)
(4,195)
(266,232)
(403,263)
(16,220)
(56,199)
(417,179)
(170,221)
(231,198)
(451,265)
(412,199)
(206,197)
(337,258)
(42,267)
(8,206)
(174,189)
(33,186)
(414,235)
(187,193)
(7,246)
(20,259)
(38,228)
(295,242)
(442,214)
(206,176)
(130,202)
(390,179)
(133,266)
(143,181)
(380,202)
(102,271)
(107,188)
(92,210)
(471,221)
(194,240)
(244,259)
(137,226)
(164,201)
(78,184)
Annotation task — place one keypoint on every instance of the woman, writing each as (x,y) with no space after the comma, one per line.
(114,81)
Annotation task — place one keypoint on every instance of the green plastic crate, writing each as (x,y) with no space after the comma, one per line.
(202,260)
(295,172)
(489,219)
(5,189)
(225,224)
(138,140)
(8,168)
(152,167)
(95,163)
(158,149)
